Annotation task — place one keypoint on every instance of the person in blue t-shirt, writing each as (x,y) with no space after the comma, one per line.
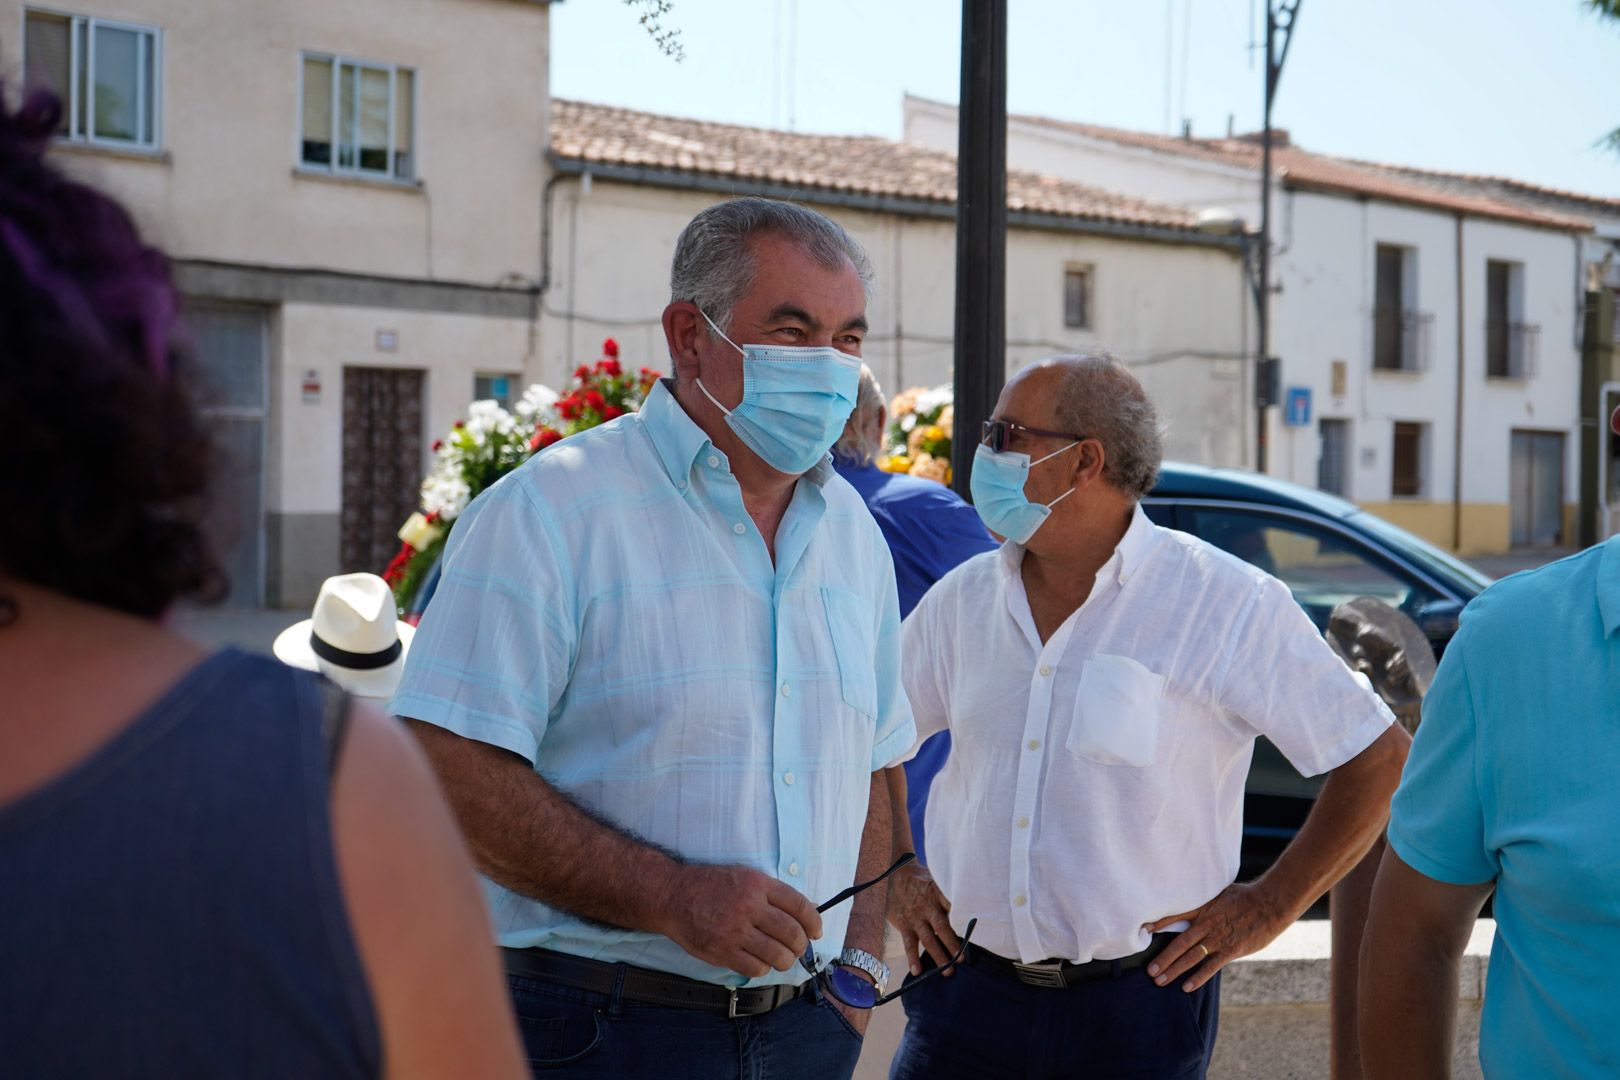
(929,528)
(1510,787)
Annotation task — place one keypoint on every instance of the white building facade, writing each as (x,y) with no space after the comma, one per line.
(1430,341)
(1085,268)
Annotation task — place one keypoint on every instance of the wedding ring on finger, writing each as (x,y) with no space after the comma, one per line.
(1201,945)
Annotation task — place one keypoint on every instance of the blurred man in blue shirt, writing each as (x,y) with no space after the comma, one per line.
(929,528)
(1510,787)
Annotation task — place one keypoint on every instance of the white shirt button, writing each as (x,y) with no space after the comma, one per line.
(714,462)
(1034,744)
(787,778)
(1019,901)
(787,691)
(793,869)
(1023,823)
(1046,669)
(739,528)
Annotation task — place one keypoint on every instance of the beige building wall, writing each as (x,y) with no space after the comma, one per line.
(225,183)
(1175,312)
(447,262)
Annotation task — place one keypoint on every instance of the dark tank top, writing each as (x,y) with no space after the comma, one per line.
(170,906)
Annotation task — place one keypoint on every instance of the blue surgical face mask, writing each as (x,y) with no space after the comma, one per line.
(796,399)
(998,492)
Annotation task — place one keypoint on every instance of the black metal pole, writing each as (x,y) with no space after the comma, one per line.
(1280,16)
(1263,294)
(981,229)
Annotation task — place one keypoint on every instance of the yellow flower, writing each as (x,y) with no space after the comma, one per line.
(935,433)
(933,468)
(419,532)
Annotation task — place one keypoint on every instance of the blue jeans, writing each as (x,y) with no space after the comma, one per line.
(978,1023)
(578,1033)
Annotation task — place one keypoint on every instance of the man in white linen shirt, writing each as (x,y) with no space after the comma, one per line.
(1104,680)
(660,682)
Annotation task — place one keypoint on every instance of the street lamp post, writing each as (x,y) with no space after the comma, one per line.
(1280,19)
(981,229)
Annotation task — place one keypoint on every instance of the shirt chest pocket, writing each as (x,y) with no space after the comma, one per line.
(1116,712)
(849,621)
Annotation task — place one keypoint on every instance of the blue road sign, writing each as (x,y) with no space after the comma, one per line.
(1299,406)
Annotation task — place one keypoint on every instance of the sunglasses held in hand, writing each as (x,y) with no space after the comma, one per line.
(844,983)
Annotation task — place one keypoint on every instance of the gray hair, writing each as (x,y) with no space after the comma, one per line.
(1101,399)
(714,260)
(852,445)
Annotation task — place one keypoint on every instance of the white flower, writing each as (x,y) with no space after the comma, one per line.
(907,422)
(484,417)
(537,399)
(445,495)
(937,398)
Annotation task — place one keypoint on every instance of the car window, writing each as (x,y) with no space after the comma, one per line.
(1320,567)
(1160,513)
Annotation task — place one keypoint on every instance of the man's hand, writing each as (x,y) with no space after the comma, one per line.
(1240,921)
(922,914)
(738,918)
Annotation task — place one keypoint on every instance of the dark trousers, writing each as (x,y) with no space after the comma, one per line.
(577,1033)
(978,1023)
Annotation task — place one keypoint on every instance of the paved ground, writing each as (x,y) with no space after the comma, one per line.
(1500,566)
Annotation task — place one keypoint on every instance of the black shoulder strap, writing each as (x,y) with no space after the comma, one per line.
(334,722)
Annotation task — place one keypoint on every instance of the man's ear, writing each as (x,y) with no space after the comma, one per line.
(1090,458)
(682,329)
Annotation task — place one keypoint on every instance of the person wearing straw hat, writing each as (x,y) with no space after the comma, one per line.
(353,637)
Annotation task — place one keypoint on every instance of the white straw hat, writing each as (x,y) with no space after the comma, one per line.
(354,637)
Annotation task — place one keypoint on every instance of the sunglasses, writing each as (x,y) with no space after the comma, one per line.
(998,434)
(843,983)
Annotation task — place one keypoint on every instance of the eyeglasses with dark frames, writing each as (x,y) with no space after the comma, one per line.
(843,984)
(998,434)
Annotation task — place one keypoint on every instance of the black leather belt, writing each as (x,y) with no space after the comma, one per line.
(646,986)
(1061,974)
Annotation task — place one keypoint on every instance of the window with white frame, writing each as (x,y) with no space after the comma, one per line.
(104,72)
(1077,297)
(359,119)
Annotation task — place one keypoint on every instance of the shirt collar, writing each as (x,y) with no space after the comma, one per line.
(1608,586)
(1127,557)
(675,436)
(678,440)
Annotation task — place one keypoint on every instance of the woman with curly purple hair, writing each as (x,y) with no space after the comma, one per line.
(209,864)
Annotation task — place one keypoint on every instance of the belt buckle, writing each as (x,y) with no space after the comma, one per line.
(731,1005)
(1048,975)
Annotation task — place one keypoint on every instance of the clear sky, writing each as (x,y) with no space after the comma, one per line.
(1512,87)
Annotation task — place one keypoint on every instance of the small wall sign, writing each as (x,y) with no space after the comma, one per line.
(387,340)
(312,386)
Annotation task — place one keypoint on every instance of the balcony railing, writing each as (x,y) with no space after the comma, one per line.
(1401,339)
(1512,349)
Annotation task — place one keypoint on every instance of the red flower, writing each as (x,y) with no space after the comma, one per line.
(544,438)
(610,367)
(612,412)
(595,400)
(396,566)
(458,425)
(582,373)
(438,444)
(431,518)
(610,348)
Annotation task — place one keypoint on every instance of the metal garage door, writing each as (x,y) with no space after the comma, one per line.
(1537,479)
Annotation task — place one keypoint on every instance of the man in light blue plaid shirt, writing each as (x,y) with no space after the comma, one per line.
(660,682)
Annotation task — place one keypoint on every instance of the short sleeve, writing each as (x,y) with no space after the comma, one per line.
(922,670)
(491,657)
(895,730)
(1284,682)
(1437,819)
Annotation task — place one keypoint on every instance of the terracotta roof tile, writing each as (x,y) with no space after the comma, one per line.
(1322,172)
(855,164)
